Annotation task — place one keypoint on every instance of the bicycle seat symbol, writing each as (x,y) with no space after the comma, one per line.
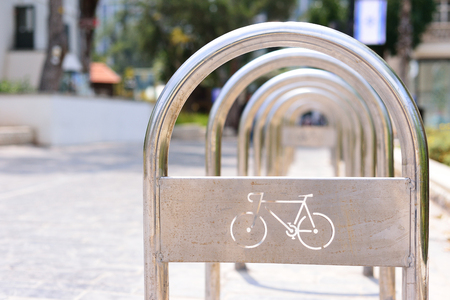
(249,230)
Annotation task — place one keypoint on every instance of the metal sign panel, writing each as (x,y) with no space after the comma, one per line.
(307,136)
(345,221)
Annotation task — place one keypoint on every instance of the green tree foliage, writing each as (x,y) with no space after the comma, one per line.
(172,30)
(439,145)
(421,15)
(333,12)
(123,36)
(15,87)
(329,13)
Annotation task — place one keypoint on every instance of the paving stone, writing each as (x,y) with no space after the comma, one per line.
(71,228)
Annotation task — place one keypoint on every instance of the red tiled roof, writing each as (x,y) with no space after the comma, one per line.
(101,73)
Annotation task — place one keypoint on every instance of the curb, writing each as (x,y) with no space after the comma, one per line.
(196,132)
(189,132)
(439,183)
(16,135)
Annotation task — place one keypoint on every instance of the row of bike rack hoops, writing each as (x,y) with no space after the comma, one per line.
(367,218)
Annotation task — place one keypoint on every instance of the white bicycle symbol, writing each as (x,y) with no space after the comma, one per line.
(249,230)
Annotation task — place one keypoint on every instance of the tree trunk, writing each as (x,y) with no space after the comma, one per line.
(87,26)
(404,44)
(56,48)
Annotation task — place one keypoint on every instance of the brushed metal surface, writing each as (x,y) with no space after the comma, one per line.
(204,220)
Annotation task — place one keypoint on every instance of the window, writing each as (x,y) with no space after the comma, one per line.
(24,36)
(433,91)
(442,14)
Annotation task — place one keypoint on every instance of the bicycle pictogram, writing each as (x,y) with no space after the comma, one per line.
(249,230)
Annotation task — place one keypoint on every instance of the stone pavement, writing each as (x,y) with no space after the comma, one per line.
(71,228)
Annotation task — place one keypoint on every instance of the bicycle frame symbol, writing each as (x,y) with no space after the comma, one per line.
(246,227)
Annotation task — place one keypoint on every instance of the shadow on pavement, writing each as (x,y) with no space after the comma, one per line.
(250,280)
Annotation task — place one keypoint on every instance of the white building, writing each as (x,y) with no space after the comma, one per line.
(23,37)
(106,13)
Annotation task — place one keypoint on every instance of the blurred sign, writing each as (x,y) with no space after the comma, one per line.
(370,21)
(144,89)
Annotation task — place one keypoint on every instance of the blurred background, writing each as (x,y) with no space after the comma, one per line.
(127,50)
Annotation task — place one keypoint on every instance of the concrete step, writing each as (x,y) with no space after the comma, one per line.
(195,132)
(16,135)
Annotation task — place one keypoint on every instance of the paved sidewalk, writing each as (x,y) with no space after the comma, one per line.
(71,228)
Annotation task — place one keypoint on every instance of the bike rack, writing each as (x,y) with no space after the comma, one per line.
(272,120)
(293,80)
(303,57)
(299,108)
(304,104)
(259,126)
(307,136)
(289,58)
(408,195)
(310,78)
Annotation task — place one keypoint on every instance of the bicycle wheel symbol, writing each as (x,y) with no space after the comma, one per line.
(246,235)
(316,237)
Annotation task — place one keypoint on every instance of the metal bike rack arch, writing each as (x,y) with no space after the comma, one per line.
(348,118)
(289,58)
(294,135)
(293,80)
(304,106)
(285,102)
(285,82)
(264,65)
(333,131)
(312,58)
(382,79)
(301,105)
(259,125)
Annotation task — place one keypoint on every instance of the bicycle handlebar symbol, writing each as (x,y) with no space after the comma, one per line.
(249,230)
